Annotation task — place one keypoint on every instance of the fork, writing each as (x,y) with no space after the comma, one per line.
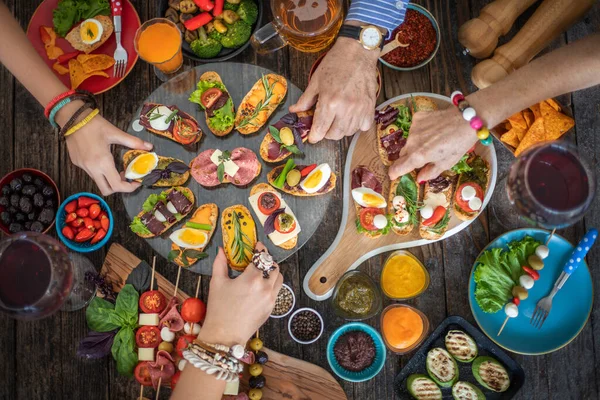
(120,55)
(543,307)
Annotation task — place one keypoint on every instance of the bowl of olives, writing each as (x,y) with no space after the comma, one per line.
(28,201)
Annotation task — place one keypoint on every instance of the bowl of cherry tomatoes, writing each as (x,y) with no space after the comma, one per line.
(84,222)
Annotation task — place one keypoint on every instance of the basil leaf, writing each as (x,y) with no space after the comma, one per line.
(173,254)
(185,261)
(178,167)
(127,305)
(151,179)
(140,277)
(193,253)
(293,149)
(96,344)
(275,133)
(270,221)
(221,172)
(123,351)
(100,316)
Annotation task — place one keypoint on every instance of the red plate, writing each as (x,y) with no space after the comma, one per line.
(130,21)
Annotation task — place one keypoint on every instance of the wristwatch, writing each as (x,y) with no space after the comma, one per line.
(369,36)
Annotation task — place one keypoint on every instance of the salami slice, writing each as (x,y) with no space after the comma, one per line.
(164,361)
(173,302)
(172,320)
(204,170)
(363,177)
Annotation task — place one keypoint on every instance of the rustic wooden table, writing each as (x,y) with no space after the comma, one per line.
(38,358)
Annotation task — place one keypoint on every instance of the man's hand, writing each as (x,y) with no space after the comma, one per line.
(344,87)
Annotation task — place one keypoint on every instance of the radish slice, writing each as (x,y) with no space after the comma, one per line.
(380,221)
(475,203)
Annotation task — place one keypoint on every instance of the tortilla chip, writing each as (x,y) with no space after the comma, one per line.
(95,62)
(556,124)
(78,75)
(517,121)
(536,111)
(511,138)
(507,126)
(552,103)
(536,134)
(529,117)
(60,69)
(53,52)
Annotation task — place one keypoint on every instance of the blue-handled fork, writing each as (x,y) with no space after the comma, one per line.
(543,307)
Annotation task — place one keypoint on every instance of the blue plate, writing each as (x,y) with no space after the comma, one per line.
(571,306)
(380,353)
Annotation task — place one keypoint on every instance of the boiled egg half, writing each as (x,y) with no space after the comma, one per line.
(90,31)
(141,166)
(367,197)
(316,179)
(189,238)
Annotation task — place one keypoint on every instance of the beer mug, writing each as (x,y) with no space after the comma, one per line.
(306,25)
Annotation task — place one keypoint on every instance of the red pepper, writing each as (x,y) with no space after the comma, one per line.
(68,232)
(88,223)
(104,221)
(83,212)
(85,202)
(98,236)
(198,21)
(67,56)
(44,35)
(205,5)
(517,301)
(218,7)
(70,217)
(307,170)
(71,206)
(77,223)
(84,235)
(532,272)
(97,225)
(95,211)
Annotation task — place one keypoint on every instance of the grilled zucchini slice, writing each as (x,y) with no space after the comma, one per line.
(441,367)
(462,346)
(421,387)
(490,374)
(466,391)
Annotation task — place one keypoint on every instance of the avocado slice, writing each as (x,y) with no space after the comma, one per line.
(466,391)
(421,387)
(441,367)
(490,374)
(462,346)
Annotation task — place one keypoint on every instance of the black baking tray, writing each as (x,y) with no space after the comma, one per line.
(416,365)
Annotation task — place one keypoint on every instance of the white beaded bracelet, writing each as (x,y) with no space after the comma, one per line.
(209,368)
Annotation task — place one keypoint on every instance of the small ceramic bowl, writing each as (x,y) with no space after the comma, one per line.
(84,247)
(366,374)
(292,318)
(293,303)
(376,305)
(418,342)
(36,173)
(425,12)
(385,265)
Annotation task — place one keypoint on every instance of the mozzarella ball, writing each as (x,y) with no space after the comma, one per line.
(398,202)
(380,221)
(542,251)
(426,212)
(526,281)
(511,310)
(191,328)
(181,364)
(167,335)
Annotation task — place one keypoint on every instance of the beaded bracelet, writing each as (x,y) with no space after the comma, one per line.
(226,367)
(236,351)
(82,123)
(55,100)
(56,109)
(470,115)
(63,100)
(89,103)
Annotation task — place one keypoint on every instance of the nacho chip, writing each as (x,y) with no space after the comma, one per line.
(78,75)
(556,124)
(552,103)
(536,111)
(507,126)
(60,69)
(95,62)
(529,117)
(53,52)
(536,134)
(517,121)
(511,138)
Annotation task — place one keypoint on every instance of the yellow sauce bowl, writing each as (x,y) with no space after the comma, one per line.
(403,276)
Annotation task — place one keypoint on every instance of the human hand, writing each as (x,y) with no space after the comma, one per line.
(437,140)
(90,149)
(344,87)
(238,307)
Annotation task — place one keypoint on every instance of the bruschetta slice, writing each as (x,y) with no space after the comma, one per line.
(260,102)
(214,167)
(286,136)
(369,203)
(239,236)
(437,202)
(213,97)
(471,188)
(403,203)
(170,122)
(153,170)
(189,242)
(303,180)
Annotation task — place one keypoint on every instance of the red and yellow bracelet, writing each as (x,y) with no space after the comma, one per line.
(470,115)
(55,100)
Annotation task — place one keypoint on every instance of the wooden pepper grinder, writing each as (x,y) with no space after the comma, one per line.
(550,19)
(479,36)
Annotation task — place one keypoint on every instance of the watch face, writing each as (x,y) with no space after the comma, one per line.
(371,37)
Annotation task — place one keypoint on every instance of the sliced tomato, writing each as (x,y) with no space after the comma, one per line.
(152,302)
(285,223)
(462,203)
(142,374)
(367,215)
(268,202)
(183,342)
(210,97)
(438,214)
(148,337)
(185,131)
(193,310)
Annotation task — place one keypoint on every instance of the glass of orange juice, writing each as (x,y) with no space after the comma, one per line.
(158,42)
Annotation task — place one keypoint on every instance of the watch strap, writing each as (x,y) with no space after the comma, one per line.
(353,32)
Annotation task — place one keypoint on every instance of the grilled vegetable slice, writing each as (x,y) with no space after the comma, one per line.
(441,367)
(422,388)
(490,374)
(462,346)
(466,391)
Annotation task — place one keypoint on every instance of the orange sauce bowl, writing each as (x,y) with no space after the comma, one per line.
(403,328)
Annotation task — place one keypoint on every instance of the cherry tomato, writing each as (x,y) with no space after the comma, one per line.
(438,214)
(462,203)
(367,215)
(185,131)
(175,379)
(183,342)
(193,310)
(104,221)
(71,206)
(210,97)
(285,223)
(84,235)
(70,217)
(152,302)
(268,202)
(516,300)
(84,201)
(142,374)
(88,223)
(148,337)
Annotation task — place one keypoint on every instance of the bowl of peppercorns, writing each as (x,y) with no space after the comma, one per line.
(284,303)
(305,325)
(28,201)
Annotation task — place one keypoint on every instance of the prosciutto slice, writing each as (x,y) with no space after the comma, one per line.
(162,208)
(172,320)
(172,303)
(204,170)
(153,225)
(210,112)
(363,177)
(181,203)
(164,361)
(393,144)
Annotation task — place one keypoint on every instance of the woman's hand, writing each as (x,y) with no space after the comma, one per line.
(238,307)
(344,87)
(90,150)
(437,140)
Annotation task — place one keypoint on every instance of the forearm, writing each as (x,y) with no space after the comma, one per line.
(197,385)
(567,69)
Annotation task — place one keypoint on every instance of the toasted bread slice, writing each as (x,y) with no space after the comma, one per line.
(464,178)
(211,76)
(421,103)
(405,229)
(199,216)
(228,231)
(297,190)
(268,139)
(74,38)
(263,187)
(169,135)
(247,121)
(425,231)
(226,178)
(174,180)
(187,192)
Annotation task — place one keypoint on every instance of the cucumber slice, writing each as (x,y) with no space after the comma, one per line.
(462,346)
(466,391)
(490,374)
(441,367)
(421,387)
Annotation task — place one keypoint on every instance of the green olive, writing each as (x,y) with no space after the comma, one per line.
(230,16)
(287,136)
(256,369)
(256,344)
(293,178)
(166,346)
(535,262)
(520,292)
(255,394)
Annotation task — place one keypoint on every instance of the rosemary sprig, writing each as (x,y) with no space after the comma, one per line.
(241,242)
(261,104)
(171,116)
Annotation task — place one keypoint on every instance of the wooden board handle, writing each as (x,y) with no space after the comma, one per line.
(551,19)
(479,36)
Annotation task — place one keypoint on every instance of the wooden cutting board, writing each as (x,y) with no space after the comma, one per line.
(287,377)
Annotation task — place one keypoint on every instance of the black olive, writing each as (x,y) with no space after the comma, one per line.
(46,216)
(27,178)
(27,225)
(29,190)
(38,182)
(25,204)
(6,190)
(15,227)
(5,218)
(37,227)
(14,200)
(16,185)
(261,357)
(38,200)
(243,223)
(4,201)
(228,222)
(257,382)
(229,215)
(48,191)
(50,203)
(12,210)
(229,227)
(32,216)
(20,217)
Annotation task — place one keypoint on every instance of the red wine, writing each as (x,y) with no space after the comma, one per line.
(557,179)
(25,273)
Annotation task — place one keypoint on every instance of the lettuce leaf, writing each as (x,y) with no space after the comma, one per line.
(223,117)
(69,12)
(202,87)
(137,226)
(462,166)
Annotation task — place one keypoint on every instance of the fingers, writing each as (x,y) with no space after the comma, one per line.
(366,122)
(101,183)
(322,121)
(340,128)
(407,162)
(116,182)
(127,140)
(278,282)
(430,171)
(307,100)
(220,265)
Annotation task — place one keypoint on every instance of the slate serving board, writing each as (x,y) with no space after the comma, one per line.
(416,365)
(238,79)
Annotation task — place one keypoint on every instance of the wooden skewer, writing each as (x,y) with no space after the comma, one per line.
(257,333)
(550,237)
(153,269)
(159,382)
(141,392)
(198,285)
(177,281)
